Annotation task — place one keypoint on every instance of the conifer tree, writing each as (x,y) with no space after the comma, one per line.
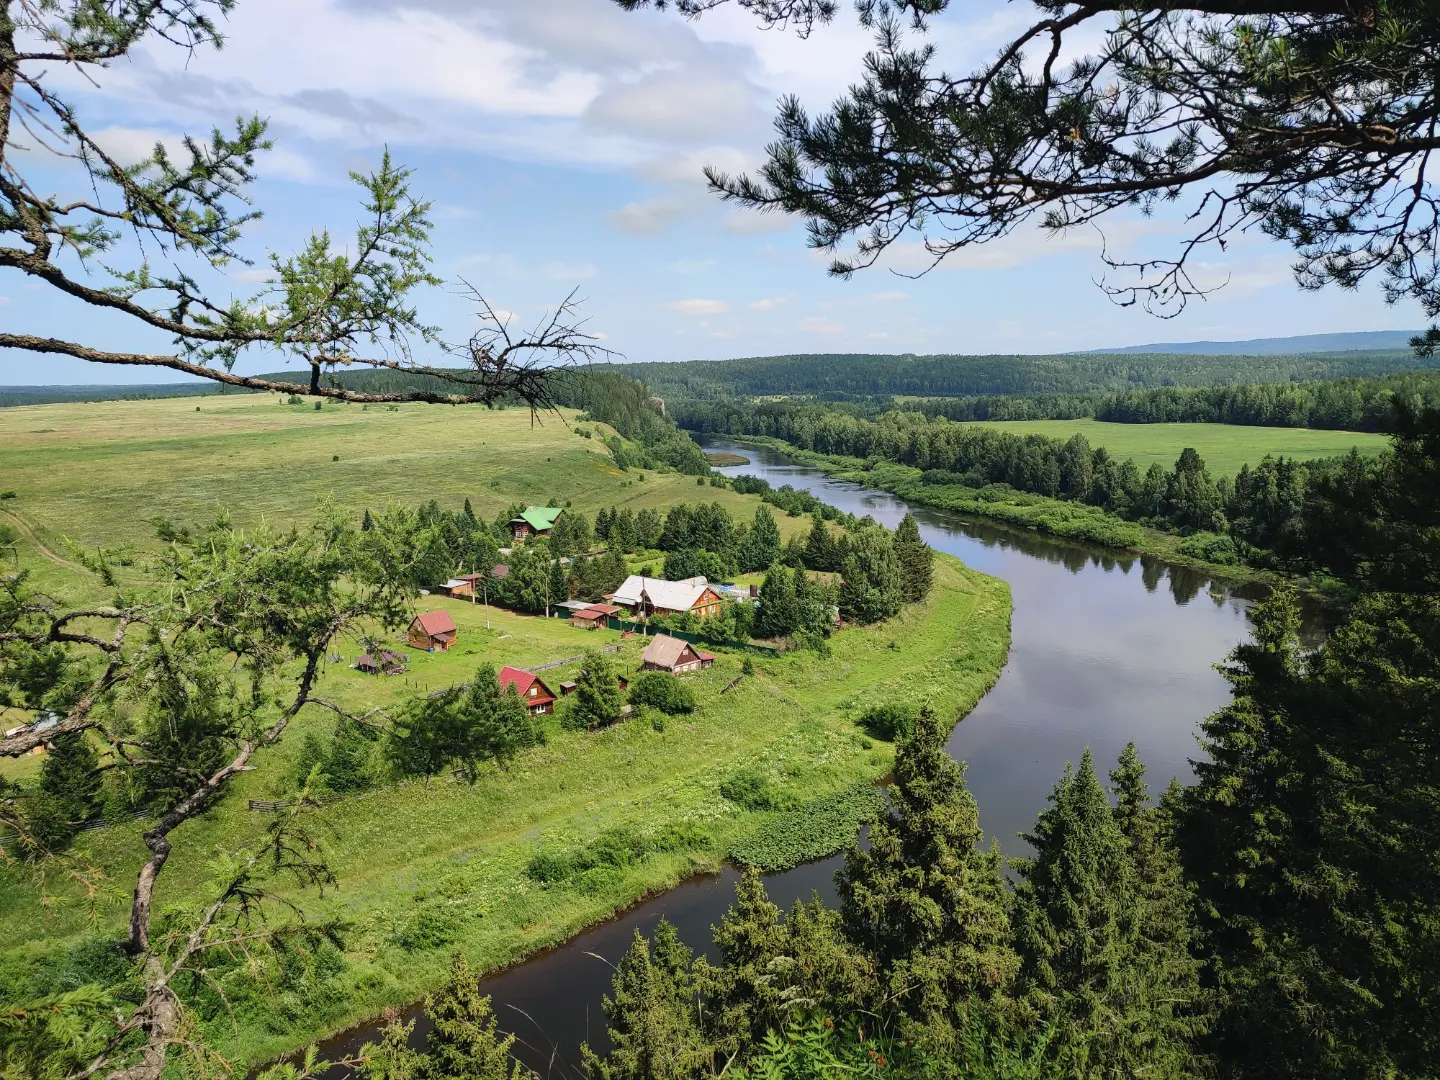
(597,694)
(779,609)
(651,1015)
(743,996)
(761,546)
(1114,997)
(917,561)
(924,903)
(821,551)
(70,774)
(469,513)
(870,586)
(501,723)
(367,523)
(464,1044)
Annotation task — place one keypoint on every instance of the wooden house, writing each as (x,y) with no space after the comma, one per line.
(675,655)
(534,521)
(642,597)
(433,631)
(536,695)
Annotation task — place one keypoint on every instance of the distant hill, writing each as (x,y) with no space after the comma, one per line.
(1303,343)
(865,376)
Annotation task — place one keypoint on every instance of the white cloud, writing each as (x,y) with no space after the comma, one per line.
(888,296)
(4,301)
(770,303)
(820,326)
(878,335)
(649,218)
(700,307)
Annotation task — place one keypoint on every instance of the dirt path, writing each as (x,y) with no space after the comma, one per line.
(29,534)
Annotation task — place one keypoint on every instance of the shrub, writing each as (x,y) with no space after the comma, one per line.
(1211,547)
(753,790)
(612,850)
(658,690)
(748,667)
(8,495)
(892,721)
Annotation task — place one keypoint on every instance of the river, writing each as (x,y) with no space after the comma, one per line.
(1105,649)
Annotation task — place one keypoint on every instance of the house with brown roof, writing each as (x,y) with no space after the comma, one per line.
(433,631)
(675,655)
(593,616)
(536,695)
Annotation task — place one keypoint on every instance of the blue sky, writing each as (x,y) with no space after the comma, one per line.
(562,142)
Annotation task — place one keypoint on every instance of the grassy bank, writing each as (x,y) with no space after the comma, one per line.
(425,870)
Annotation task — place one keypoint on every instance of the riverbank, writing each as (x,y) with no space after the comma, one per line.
(425,871)
(1052,517)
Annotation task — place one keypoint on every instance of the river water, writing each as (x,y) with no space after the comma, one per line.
(1105,649)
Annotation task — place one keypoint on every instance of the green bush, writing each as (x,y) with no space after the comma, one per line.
(612,850)
(892,721)
(754,791)
(813,831)
(1211,547)
(657,690)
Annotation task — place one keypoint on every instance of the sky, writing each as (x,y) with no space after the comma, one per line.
(562,141)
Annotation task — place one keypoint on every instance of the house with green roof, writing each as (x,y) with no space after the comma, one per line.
(534,521)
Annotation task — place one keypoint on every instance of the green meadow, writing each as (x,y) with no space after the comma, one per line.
(426,869)
(1225,447)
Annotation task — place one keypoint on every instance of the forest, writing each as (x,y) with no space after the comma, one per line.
(847,376)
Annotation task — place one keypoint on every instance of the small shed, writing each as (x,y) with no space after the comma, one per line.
(672,654)
(567,688)
(382,662)
(534,521)
(433,631)
(536,695)
(594,616)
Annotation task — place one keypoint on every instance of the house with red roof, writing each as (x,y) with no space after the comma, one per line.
(433,631)
(536,695)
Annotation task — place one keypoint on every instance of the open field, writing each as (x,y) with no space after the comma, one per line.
(425,870)
(96,473)
(1225,447)
(428,869)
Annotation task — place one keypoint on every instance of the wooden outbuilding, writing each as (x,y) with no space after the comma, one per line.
(594,616)
(536,695)
(433,631)
(675,655)
(382,661)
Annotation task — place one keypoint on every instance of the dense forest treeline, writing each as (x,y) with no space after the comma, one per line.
(1352,404)
(842,375)
(1279,514)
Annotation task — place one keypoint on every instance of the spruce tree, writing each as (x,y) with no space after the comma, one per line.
(70,775)
(651,1015)
(464,1043)
(924,903)
(917,561)
(820,552)
(870,586)
(761,545)
(1108,992)
(744,999)
(469,513)
(779,608)
(367,523)
(597,694)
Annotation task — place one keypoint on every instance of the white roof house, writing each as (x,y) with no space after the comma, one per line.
(637,591)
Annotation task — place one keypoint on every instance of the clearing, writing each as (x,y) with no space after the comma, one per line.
(1225,447)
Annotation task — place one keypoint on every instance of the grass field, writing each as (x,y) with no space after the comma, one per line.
(452,856)
(425,870)
(1225,447)
(97,472)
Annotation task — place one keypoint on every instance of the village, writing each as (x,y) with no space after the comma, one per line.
(627,611)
